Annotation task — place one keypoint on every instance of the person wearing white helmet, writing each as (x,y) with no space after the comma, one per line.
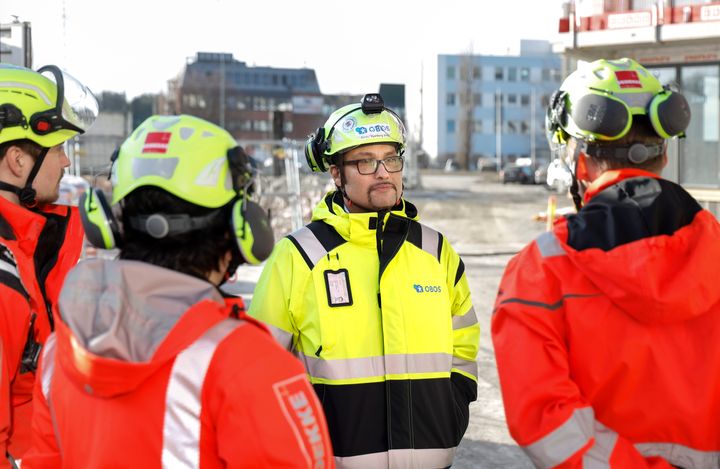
(375,304)
(39,241)
(605,328)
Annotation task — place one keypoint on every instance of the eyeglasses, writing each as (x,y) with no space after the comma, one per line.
(393,164)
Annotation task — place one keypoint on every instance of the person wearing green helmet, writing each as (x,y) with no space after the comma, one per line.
(605,328)
(39,241)
(153,362)
(375,304)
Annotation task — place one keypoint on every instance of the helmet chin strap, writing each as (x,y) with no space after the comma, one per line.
(27,195)
(575,186)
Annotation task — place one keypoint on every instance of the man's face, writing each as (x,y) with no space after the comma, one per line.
(47,180)
(377,191)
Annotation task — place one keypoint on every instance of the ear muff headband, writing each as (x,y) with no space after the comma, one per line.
(253,232)
(313,153)
(603,116)
(669,114)
(100,225)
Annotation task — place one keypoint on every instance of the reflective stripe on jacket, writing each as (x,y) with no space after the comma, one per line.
(37,249)
(605,332)
(389,341)
(155,374)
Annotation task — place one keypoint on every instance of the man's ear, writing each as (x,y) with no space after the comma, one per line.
(582,170)
(335,174)
(16,160)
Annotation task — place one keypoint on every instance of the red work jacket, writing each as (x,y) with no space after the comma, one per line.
(37,249)
(606,332)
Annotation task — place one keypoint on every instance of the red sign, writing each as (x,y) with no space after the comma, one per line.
(628,79)
(156,142)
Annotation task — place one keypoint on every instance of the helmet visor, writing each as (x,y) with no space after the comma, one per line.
(76,107)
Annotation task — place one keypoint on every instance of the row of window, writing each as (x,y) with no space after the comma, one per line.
(253,103)
(509,99)
(267,79)
(498,73)
(256,126)
(509,127)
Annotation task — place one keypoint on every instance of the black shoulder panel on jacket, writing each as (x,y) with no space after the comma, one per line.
(9,275)
(6,230)
(326,234)
(631,210)
(315,240)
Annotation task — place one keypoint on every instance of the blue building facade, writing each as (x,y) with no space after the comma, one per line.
(499,100)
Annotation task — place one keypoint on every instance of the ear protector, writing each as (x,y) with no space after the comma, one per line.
(604,116)
(319,144)
(248,221)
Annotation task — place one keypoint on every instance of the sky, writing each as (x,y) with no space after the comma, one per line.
(135,46)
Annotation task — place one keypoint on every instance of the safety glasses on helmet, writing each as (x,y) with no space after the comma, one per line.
(75,108)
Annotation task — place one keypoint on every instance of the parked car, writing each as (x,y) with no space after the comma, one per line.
(559,176)
(513,172)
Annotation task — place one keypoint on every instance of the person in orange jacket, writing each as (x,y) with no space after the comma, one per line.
(152,365)
(606,328)
(39,241)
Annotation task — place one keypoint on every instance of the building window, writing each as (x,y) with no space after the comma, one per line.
(477,73)
(288,127)
(525,74)
(512,127)
(700,151)
(512,74)
(450,99)
(246,125)
(512,99)
(477,127)
(477,99)
(524,127)
(524,100)
(450,126)
(498,73)
(450,72)
(262,126)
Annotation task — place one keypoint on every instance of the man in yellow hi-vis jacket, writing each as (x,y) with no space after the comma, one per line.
(375,304)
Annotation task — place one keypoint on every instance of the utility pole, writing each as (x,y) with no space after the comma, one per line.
(533,125)
(420,139)
(498,128)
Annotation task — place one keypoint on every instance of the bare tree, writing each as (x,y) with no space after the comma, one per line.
(465,111)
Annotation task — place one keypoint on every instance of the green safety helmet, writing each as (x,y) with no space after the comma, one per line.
(157,154)
(48,106)
(599,99)
(194,160)
(352,126)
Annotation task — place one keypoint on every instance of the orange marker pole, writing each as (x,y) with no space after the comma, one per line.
(552,205)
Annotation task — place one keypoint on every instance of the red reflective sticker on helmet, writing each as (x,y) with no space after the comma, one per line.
(43,126)
(156,142)
(628,79)
(302,410)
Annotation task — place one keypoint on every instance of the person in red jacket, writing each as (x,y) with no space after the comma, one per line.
(606,328)
(39,241)
(152,366)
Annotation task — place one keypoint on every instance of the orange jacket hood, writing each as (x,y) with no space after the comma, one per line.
(125,319)
(636,240)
